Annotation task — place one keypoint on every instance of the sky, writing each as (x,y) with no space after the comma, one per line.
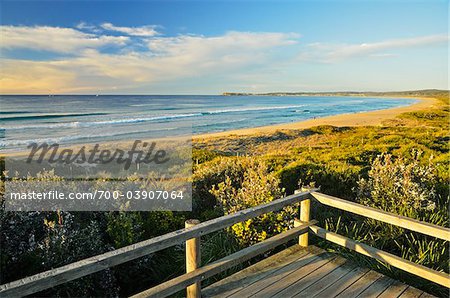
(210,47)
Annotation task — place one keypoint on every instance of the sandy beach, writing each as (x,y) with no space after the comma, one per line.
(354,119)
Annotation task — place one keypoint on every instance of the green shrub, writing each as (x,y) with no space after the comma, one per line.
(399,186)
(253,186)
(124,228)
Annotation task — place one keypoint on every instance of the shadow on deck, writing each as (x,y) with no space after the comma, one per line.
(310,272)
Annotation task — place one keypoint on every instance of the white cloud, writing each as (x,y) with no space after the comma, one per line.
(172,58)
(54,39)
(234,41)
(148,60)
(165,59)
(383,55)
(231,51)
(326,52)
(87,27)
(22,76)
(133,31)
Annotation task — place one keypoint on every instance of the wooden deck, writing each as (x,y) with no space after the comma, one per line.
(299,271)
(311,272)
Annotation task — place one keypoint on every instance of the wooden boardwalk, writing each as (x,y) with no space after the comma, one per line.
(310,272)
(299,271)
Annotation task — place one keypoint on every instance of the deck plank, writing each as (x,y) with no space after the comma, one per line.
(274,278)
(344,282)
(411,292)
(309,272)
(426,295)
(249,275)
(394,290)
(360,285)
(326,281)
(377,287)
(272,289)
(302,283)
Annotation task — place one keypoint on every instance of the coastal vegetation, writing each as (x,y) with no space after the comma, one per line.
(428,92)
(401,166)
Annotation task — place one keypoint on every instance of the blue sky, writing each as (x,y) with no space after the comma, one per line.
(208,47)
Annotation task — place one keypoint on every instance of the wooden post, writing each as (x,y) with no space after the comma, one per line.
(192,260)
(305,210)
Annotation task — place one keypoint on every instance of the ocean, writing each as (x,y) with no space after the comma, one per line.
(76,119)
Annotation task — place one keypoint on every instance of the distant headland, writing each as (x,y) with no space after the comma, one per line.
(425,92)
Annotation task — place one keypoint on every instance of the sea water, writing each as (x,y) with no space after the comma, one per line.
(77,119)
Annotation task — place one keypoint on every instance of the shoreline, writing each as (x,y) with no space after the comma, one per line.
(371,118)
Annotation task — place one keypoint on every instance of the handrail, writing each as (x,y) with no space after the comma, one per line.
(178,283)
(390,259)
(54,277)
(387,217)
(390,218)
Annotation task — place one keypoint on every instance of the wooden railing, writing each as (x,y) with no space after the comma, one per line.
(54,277)
(194,230)
(441,278)
(390,218)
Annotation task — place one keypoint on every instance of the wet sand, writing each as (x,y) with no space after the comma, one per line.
(355,119)
(372,118)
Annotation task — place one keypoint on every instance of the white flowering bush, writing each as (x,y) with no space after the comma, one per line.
(399,185)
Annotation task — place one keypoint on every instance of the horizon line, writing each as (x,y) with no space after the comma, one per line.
(227,92)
